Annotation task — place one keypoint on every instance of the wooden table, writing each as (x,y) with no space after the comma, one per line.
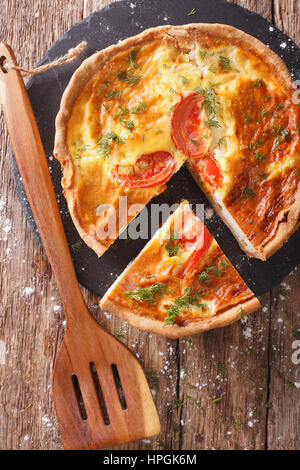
(248,365)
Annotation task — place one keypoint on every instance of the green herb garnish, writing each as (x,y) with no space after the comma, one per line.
(212,123)
(216,400)
(147,294)
(282,134)
(106,108)
(184,80)
(76,247)
(296,172)
(258,83)
(121,333)
(186,300)
(192,12)
(218,271)
(139,108)
(172,246)
(132,57)
(225,63)
(203,277)
(152,376)
(127,123)
(249,192)
(104,141)
(195,142)
(130,78)
(113,94)
(210,99)
(221,142)
(260,156)
(122,112)
(290,383)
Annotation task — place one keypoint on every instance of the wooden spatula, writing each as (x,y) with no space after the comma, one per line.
(100,392)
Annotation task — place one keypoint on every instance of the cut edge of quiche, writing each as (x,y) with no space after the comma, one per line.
(285,222)
(288,221)
(188,290)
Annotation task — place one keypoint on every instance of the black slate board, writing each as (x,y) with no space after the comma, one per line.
(107,26)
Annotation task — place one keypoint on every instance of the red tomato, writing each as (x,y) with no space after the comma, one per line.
(208,169)
(188,131)
(149,170)
(194,235)
(188,229)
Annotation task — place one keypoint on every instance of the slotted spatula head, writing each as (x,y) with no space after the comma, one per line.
(100,391)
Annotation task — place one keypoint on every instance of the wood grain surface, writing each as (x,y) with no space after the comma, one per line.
(234,388)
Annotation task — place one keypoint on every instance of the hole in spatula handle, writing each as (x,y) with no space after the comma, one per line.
(2,64)
(119,386)
(79,398)
(99,394)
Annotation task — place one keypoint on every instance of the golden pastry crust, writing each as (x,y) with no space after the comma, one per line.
(176,331)
(229,296)
(182,37)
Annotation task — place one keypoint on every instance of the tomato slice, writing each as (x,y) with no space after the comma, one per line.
(188,131)
(188,229)
(208,169)
(149,170)
(194,236)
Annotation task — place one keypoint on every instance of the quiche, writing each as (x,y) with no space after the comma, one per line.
(207,95)
(181,283)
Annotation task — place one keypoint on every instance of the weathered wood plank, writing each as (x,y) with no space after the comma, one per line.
(31,318)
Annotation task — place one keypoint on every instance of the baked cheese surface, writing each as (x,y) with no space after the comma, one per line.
(250,130)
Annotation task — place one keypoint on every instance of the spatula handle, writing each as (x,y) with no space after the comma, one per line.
(33,168)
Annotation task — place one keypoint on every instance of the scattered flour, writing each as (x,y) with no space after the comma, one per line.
(28,291)
(46,420)
(2,352)
(209,212)
(247,332)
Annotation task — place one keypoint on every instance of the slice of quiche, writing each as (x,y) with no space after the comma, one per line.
(181,283)
(207,94)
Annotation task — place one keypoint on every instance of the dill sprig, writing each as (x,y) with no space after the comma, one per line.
(130,78)
(172,246)
(104,141)
(186,300)
(225,63)
(184,80)
(127,123)
(147,294)
(203,54)
(76,247)
(122,112)
(132,57)
(218,270)
(282,134)
(139,108)
(209,99)
(212,123)
(112,94)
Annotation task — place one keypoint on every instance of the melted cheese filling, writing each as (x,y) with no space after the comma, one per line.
(166,74)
